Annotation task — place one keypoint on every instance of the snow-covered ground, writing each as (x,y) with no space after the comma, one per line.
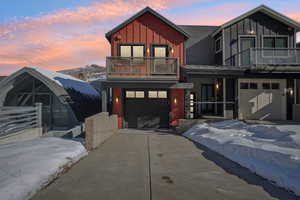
(272,151)
(25,167)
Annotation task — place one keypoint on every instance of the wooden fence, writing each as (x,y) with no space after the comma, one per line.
(16,119)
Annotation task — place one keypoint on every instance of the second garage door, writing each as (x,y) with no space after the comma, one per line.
(146,109)
(262,99)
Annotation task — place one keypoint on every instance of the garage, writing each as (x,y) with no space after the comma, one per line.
(146,109)
(262,99)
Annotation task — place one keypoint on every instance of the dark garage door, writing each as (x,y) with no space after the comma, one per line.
(146,109)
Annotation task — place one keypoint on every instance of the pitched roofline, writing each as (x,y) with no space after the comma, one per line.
(140,13)
(267,11)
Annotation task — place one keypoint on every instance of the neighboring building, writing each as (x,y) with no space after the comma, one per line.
(298,45)
(247,68)
(66,101)
(88,73)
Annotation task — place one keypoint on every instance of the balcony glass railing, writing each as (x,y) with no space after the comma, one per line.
(269,56)
(142,67)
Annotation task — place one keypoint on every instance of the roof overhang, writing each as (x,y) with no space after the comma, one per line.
(109,34)
(266,10)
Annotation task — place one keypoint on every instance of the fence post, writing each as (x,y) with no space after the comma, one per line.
(39,114)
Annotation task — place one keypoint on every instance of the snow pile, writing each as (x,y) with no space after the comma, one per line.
(68,82)
(25,167)
(272,151)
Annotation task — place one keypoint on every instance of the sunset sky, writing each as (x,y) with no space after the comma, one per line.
(61,34)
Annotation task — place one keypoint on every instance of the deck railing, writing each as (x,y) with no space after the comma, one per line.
(142,67)
(15,119)
(270,56)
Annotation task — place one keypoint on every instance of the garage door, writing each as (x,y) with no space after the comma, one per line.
(146,109)
(262,99)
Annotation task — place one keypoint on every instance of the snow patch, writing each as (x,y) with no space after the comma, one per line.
(26,167)
(68,82)
(272,151)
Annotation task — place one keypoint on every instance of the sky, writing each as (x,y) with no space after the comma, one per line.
(64,34)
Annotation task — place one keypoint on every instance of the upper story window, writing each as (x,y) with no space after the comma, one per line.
(132,50)
(218,45)
(275,42)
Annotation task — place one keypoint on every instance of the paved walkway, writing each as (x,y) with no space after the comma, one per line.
(146,165)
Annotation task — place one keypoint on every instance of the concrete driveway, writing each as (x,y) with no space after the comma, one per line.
(148,165)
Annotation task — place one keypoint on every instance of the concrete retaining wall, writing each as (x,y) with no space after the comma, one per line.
(27,134)
(99,128)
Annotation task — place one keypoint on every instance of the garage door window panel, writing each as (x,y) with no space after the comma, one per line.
(244,86)
(139,94)
(275,86)
(162,94)
(253,86)
(266,86)
(152,94)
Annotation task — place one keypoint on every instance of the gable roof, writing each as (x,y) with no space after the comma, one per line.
(140,13)
(266,10)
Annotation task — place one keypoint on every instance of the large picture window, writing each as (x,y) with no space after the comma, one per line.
(275,42)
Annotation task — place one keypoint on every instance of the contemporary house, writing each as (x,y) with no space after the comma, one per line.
(66,101)
(159,72)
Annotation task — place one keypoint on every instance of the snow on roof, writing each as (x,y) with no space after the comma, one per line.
(68,82)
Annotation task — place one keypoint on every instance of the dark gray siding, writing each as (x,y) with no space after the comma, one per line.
(261,24)
(199,48)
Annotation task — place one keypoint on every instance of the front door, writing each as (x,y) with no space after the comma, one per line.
(160,64)
(207,99)
(245,44)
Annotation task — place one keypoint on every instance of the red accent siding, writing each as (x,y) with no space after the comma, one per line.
(148,29)
(177,108)
(118,105)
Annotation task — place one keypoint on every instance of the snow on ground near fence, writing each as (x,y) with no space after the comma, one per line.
(272,151)
(25,167)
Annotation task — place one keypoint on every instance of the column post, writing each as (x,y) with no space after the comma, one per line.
(104,100)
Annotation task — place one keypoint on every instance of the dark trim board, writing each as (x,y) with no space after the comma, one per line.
(138,84)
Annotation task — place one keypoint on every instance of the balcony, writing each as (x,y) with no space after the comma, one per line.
(142,68)
(270,57)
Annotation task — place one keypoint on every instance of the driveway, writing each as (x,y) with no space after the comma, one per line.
(148,165)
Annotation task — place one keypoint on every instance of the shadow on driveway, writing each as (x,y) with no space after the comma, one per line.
(245,174)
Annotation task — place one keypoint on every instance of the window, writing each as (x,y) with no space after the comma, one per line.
(132,50)
(275,42)
(162,94)
(158,94)
(135,94)
(266,86)
(253,86)
(139,94)
(152,94)
(130,94)
(275,86)
(244,85)
(218,46)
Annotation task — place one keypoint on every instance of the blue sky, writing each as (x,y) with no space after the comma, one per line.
(61,34)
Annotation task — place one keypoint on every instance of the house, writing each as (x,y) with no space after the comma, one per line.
(66,101)
(160,72)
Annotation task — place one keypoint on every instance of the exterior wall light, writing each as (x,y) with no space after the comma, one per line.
(217,86)
(172,50)
(175,100)
(148,51)
(252,32)
(117,100)
(291,91)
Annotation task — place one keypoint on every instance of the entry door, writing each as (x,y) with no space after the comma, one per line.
(160,52)
(245,44)
(207,96)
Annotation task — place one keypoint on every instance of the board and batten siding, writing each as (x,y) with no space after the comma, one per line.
(261,24)
(148,30)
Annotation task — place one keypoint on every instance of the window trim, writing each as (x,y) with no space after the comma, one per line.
(131,47)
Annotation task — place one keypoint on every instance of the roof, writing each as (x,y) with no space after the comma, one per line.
(140,13)
(266,10)
(57,82)
(198,32)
